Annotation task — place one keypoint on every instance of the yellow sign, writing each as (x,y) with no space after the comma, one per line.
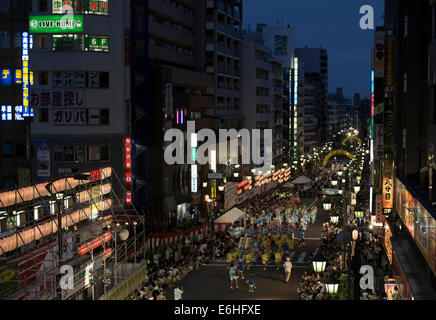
(335,153)
(388,184)
(352,137)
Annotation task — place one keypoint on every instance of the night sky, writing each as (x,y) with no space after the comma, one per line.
(332,24)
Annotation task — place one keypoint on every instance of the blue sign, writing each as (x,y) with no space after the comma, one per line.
(5,77)
(25,73)
(19,113)
(6,113)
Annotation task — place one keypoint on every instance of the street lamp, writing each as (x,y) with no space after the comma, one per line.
(331,287)
(236,174)
(356,189)
(334,183)
(327,206)
(343,180)
(340,173)
(341,191)
(334,219)
(319,263)
(358,214)
(221,188)
(204,184)
(358,178)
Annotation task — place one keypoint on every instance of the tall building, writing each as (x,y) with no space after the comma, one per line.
(82,90)
(223,59)
(403,135)
(182,91)
(315,92)
(280,39)
(262,91)
(15,153)
(340,113)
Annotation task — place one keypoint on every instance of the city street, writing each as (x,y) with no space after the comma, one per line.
(211,282)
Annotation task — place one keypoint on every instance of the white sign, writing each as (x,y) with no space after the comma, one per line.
(378,147)
(94,116)
(57,98)
(75,117)
(68,79)
(194,181)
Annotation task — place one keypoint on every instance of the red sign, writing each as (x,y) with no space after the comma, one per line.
(379,208)
(95,175)
(128,166)
(85,248)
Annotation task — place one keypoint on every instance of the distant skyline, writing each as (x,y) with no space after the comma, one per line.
(332,25)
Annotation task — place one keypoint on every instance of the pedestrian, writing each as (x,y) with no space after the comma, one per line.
(161,296)
(233,276)
(178,291)
(288,269)
(251,284)
(241,268)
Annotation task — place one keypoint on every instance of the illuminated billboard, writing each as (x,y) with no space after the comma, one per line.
(56,24)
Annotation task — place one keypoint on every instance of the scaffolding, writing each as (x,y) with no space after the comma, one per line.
(77,221)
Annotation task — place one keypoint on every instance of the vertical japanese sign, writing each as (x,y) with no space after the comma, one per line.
(128,163)
(378,142)
(379,208)
(388,243)
(194,181)
(213,188)
(379,54)
(194,178)
(169,98)
(25,72)
(42,159)
(388,184)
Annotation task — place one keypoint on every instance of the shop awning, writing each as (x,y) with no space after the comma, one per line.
(231,216)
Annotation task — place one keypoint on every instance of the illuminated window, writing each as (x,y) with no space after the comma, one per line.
(67,42)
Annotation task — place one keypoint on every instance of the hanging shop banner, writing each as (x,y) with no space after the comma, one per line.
(25,73)
(378,147)
(388,185)
(42,159)
(56,24)
(389,62)
(57,98)
(128,169)
(388,243)
(379,208)
(379,53)
(213,188)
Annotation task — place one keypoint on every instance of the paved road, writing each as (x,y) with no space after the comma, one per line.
(212,281)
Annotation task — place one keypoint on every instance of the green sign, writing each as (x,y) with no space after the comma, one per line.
(194,153)
(56,24)
(98,43)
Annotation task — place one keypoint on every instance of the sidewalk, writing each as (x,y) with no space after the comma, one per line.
(415,267)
